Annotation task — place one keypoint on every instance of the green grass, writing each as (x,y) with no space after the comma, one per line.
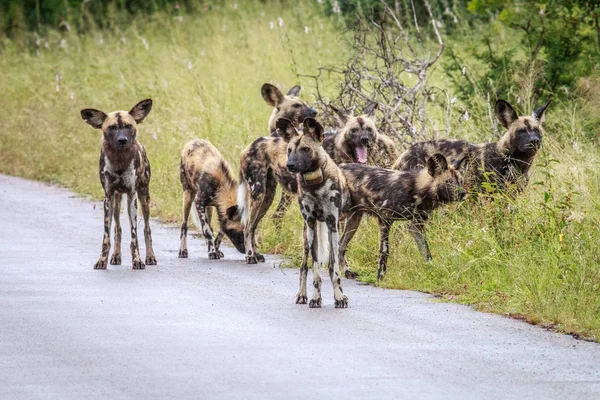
(535,257)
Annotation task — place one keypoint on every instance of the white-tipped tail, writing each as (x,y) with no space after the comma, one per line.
(322,239)
(242,195)
(195,216)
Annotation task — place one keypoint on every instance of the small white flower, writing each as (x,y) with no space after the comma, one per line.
(280,22)
(469,244)
(101,41)
(154,136)
(453,100)
(38,42)
(57,87)
(577,147)
(484,229)
(519,100)
(235,6)
(123,39)
(190,65)
(72,96)
(439,24)
(516,9)
(62,44)
(145,43)
(272,24)
(306,29)
(493,252)
(46,45)
(57,77)
(466,115)
(336,7)
(432,97)
(541,11)
(464,70)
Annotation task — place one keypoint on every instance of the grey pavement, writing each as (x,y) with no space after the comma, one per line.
(198,328)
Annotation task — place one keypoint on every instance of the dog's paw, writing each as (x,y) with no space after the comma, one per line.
(260,258)
(138,264)
(150,260)
(349,274)
(183,253)
(301,299)
(342,303)
(315,303)
(101,264)
(115,259)
(251,259)
(215,255)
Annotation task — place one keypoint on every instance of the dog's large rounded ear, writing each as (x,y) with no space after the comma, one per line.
(141,110)
(93,117)
(505,113)
(370,111)
(286,129)
(313,129)
(540,113)
(340,116)
(232,213)
(437,164)
(271,94)
(294,91)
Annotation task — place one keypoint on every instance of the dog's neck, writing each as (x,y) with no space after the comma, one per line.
(314,177)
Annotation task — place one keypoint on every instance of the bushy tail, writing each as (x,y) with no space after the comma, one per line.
(242,200)
(195,216)
(322,241)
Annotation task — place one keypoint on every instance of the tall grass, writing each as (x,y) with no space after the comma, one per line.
(535,256)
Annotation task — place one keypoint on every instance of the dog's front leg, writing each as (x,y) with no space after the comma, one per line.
(132,210)
(302,297)
(108,211)
(341,301)
(315,302)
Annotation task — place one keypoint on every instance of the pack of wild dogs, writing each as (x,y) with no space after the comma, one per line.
(336,177)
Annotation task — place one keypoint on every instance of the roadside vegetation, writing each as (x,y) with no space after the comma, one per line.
(534,257)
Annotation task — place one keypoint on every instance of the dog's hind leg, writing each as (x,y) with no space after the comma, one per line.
(350,228)
(115,259)
(144,198)
(261,198)
(188,199)
(417,230)
(384,237)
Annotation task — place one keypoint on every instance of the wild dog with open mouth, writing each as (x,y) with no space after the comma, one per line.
(124,169)
(505,162)
(359,141)
(322,194)
(398,195)
(291,107)
(208,181)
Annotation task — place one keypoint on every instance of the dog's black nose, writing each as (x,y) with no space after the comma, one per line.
(536,142)
(364,139)
(291,167)
(313,112)
(122,141)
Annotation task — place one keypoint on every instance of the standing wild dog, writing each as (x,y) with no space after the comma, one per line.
(124,169)
(291,107)
(398,195)
(322,194)
(359,141)
(504,162)
(208,181)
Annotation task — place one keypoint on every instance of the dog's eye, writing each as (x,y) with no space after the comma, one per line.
(297,105)
(305,149)
(289,151)
(521,131)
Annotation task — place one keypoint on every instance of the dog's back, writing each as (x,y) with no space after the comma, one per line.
(204,168)
(416,155)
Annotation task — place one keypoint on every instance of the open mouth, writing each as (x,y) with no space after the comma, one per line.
(361,153)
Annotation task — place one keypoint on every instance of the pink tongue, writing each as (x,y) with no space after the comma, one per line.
(361,154)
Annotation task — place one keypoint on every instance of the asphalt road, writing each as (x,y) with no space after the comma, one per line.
(196,328)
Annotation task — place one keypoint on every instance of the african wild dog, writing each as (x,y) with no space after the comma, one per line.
(502,163)
(322,193)
(291,107)
(398,195)
(359,141)
(208,181)
(288,106)
(124,169)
